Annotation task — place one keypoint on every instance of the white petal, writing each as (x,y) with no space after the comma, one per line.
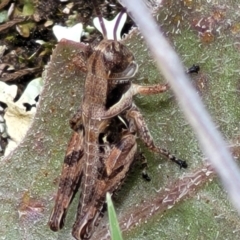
(10,147)
(32,90)
(2,127)
(16,117)
(70,33)
(41,42)
(110,26)
(7,93)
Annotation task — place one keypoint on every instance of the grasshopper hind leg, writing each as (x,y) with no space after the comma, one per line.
(117,166)
(69,181)
(137,124)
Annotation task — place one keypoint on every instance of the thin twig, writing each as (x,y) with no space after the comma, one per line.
(11,23)
(4,3)
(18,74)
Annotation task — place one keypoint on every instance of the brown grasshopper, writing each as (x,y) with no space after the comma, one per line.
(103,144)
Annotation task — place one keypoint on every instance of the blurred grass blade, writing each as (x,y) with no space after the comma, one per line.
(114,226)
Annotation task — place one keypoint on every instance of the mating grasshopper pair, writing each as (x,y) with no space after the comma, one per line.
(105,128)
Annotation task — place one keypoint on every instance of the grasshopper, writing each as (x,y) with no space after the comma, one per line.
(103,144)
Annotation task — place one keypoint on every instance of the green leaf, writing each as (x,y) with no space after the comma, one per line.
(114,226)
(146,210)
(28,8)
(3,16)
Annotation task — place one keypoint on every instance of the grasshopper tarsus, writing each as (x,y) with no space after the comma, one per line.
(193,69)
(181,163)
(145,176)
(140,157)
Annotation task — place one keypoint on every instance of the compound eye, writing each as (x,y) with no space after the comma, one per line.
(108,56)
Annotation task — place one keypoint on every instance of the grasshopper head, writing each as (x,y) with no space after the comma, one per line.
(119,62)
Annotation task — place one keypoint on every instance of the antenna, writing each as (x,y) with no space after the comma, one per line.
(99,15)
(117,23)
